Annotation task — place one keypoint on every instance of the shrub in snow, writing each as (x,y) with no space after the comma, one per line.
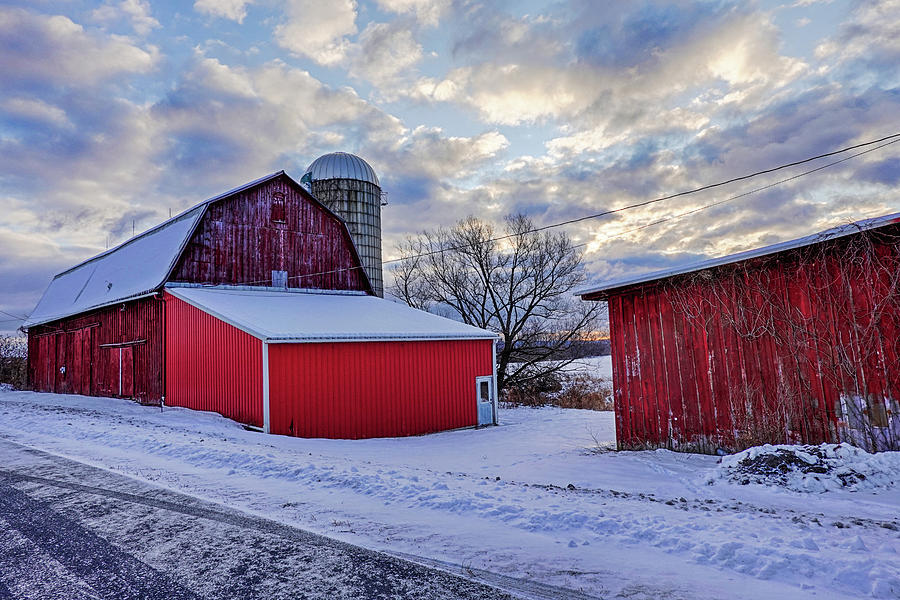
(810,468)
(13,353)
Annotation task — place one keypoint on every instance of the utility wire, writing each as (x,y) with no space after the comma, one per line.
(715,185)
(894,137)
(747,193)
(675,195)
(12,315)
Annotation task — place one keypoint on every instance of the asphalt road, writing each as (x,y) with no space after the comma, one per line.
(71,531)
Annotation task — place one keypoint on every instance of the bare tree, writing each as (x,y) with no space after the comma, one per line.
(520,286)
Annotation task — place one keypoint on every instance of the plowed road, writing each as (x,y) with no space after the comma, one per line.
(72,531)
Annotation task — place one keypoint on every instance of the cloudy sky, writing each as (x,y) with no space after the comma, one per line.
(122,110)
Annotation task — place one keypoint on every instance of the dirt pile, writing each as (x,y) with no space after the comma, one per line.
(811,468)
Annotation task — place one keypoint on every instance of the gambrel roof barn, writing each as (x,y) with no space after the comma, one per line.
(255,304)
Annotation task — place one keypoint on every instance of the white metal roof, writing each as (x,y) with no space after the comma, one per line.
(131,269)
(294,316)
(828,234)
(342,165)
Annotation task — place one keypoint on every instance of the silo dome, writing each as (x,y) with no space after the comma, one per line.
(342,165)
(348,185)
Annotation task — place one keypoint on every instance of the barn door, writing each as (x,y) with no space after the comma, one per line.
(484,387)
(47,353)
(62,366)
(87,363)
(126,372)
(75,366)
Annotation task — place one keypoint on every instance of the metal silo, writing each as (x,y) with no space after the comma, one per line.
(347,185)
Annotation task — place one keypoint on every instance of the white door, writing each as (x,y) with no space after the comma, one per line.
(484,387)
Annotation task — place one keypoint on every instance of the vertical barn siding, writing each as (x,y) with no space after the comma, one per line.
(375,389)
(685,378)
(82,345)
(239,243)
(211,365)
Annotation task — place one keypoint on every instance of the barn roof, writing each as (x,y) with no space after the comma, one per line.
(603,289)
(298,316)
(130,270)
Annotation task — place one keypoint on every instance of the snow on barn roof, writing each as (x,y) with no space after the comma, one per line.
(297,316)
(604,288)
(132,269)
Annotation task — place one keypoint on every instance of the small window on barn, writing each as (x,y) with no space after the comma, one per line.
(278,207)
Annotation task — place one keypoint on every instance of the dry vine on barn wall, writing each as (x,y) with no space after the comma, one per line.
(807,342)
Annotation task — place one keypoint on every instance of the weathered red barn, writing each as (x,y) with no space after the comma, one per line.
(255,304)
(791,343)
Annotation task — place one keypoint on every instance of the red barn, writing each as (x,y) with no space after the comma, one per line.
(255,304)
(792,343)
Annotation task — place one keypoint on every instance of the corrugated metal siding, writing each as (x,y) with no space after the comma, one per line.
(211,365)
(375,389)
(238,243)
(686,377)
(88,346)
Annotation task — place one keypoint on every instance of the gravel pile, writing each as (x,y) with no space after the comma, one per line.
(811,468)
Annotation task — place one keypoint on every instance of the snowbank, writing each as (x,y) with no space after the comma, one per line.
(813,469)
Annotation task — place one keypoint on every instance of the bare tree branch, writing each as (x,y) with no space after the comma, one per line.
(522,290)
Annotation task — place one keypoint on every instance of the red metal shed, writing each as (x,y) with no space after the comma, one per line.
(325,365)
(791,343)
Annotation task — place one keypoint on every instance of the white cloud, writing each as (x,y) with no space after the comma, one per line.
(427,151)
(34,108)
(56,48)
(870,33)
(427,12)
(677,89)
(137,12)
(514,94)
(385,52)
(235,10)
(318,30)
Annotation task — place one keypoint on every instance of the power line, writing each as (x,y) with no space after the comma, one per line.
(714,185)
(893,137)
(747,193)
(12,315)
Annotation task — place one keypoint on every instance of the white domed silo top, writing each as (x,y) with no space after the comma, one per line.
(342,165)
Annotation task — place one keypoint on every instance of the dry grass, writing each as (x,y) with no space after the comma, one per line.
(565,390)
(582,390)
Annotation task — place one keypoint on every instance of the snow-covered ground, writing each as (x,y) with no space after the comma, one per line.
(533,498)
(599,366)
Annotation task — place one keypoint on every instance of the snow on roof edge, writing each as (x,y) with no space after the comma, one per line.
(28,323)
(828,234)
(184,293)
